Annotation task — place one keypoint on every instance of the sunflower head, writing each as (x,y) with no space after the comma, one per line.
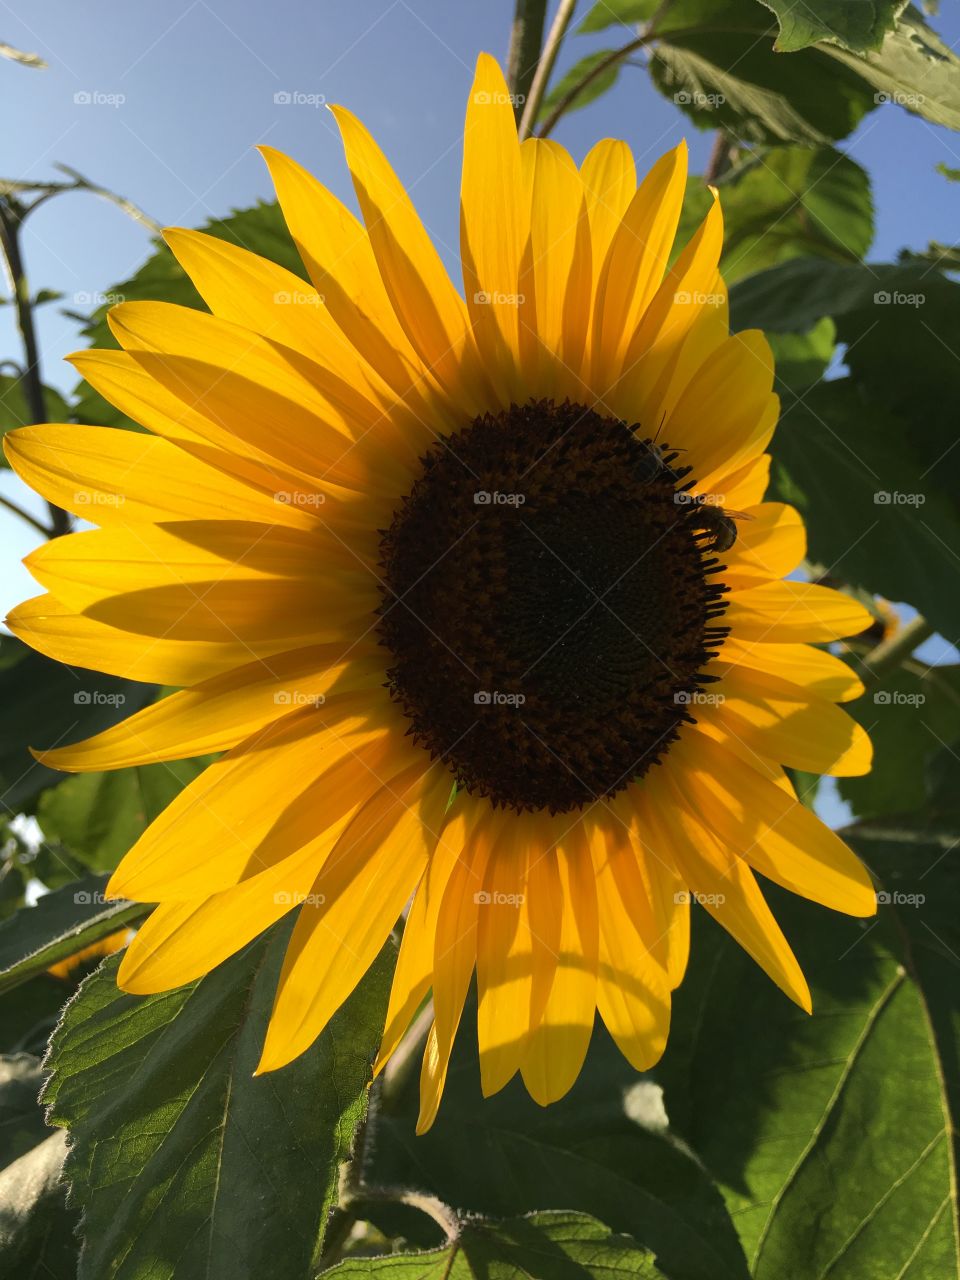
(476,594)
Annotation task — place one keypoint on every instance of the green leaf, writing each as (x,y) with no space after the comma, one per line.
(98,816)
(597,86)
(21,1120)
(911,715)
(913,69)
(602,1150)
(45,703)
(802,358)
(951,175)
(186,1165)
(14,411)
(36,1227)
(858,27)
(609,13)
(61,923)
(784,203)
(261,229)
(716,61)
(831,1135)
(544,1246)
(874,519)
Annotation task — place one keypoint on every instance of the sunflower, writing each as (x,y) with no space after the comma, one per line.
(477,596)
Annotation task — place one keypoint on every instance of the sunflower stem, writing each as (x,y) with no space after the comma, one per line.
(526,37)
(541,77)
(894,650)
(11,220)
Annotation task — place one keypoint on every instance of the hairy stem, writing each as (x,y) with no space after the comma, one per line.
(538,86)
(526,37)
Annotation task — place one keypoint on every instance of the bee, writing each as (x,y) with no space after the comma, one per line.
(720,524)
(659,459)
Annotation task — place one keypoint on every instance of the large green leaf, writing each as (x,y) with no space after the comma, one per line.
(610,13)
(873,517)
(61,923)
(98,816)
(45,703)
(858,27)
(602,1150)
(831,1136)
(715,59)
(914,69)
(911,715)
(36,1227)
(260,229)
(544,1246)
(184,1164)
(786,202)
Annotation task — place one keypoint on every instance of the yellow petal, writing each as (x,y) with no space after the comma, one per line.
(726,887)
(789,611)
(775,833)
(770,543)
(66,636)
(746,486)
(557,1045)
(633,995)
(354,903)
(220,713)
(428,307)
(259,803)
(789,724)
(505,953)
(493,226)
(635,263)
(817,670)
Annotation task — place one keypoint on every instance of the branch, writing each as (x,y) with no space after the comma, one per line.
(894,650)
(538,87)
(611,60)
(526,36)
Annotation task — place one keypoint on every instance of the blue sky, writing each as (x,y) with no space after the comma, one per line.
(181,94)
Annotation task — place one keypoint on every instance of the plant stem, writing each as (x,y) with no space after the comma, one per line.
(25,515)
(720,157)
(526,37)
(10,221)
(538,86)
(890,653)
(611,60)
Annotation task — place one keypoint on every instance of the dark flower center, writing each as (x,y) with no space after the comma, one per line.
(548,605)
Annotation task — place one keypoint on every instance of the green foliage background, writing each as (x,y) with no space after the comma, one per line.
(766,1144)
